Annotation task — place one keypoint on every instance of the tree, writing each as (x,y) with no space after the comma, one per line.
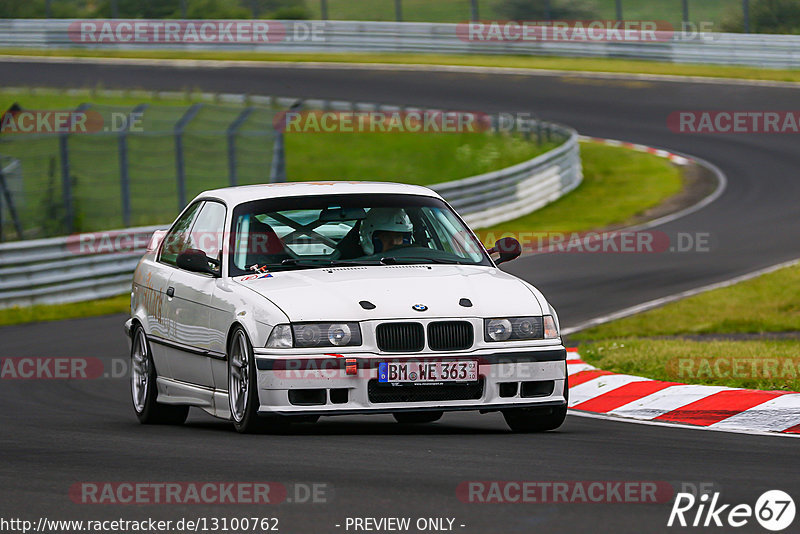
(537,9)
(766,16)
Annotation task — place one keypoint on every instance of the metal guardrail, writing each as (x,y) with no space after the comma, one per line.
(90,266)
(778,51)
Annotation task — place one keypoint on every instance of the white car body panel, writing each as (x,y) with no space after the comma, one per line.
(188,332)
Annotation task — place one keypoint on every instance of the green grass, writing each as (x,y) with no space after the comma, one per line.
(421,159)
(459,10)
(769,303)
(610,65)
(418,158)
(618,184)
(765,365)
(92,308)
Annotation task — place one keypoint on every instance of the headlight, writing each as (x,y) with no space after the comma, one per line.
(311,335)
(281,337)
(515,328)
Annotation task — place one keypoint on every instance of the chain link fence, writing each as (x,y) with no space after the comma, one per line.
(123,166)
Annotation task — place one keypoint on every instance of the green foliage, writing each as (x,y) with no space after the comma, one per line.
(537,9)
(766,16)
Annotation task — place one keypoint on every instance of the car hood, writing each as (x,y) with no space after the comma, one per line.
(334,294)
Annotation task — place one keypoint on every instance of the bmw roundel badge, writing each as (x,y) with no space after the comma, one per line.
(419,307)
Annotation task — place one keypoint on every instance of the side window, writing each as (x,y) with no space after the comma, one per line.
(206,234)
(177,239)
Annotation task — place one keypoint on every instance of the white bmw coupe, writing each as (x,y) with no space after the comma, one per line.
(272,304)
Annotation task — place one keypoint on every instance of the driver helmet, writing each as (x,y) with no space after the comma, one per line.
(386,220)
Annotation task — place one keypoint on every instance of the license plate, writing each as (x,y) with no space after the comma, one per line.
(427,372)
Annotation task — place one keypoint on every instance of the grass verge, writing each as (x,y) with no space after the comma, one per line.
(611,65)
(75,310)
(763,364)
(767,304)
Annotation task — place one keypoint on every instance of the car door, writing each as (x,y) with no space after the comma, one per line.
(189,302)
(153,290)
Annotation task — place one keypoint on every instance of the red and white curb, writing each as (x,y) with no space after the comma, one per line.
(712,407)
(674,158)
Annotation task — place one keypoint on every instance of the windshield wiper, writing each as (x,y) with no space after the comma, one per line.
(390,260)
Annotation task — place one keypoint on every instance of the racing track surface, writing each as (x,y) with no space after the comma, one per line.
(58,433)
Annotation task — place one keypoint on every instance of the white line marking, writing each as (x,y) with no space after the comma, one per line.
(655,303)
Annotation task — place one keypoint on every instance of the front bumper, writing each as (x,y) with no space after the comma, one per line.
(321,385)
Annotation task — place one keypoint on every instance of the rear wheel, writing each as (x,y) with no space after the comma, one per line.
(538,419)
(243,389)
(144,389)
(417,417)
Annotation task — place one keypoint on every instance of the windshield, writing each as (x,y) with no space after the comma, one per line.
(330,230)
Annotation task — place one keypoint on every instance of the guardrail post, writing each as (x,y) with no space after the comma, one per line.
(323,6)
(278,170)
(619,10)
(231,135)
(183,9)
(685,14)
(114,9)
(474,15)
(124,174)
(548,11)
(180,167)
(12,211)
(398,10)
(48,11)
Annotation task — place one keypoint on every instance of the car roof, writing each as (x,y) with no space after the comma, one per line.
(246,193)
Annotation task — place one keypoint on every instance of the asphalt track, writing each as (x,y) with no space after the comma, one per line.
(58,433)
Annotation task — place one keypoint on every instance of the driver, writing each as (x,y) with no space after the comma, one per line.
(384,229)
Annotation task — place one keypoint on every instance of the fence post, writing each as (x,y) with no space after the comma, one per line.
(474,14)
(114,9)
(746,12)
(124,174)
(231,135)
(183,9)
(278,170)
(48,11)
(685,14)
(180,126)
(398,10)
(66,178)
(548,11)
(619,10)
(323,5)
(254,7)
(12,212)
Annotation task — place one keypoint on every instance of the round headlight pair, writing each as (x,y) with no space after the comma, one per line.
(514,328)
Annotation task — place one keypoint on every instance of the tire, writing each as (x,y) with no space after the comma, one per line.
(542,419)
(144,390)
(417,417)
(243,390)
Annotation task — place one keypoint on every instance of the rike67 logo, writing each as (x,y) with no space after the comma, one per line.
(774,510)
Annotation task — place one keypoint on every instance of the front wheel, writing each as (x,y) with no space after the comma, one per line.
(243,389)
(144,389)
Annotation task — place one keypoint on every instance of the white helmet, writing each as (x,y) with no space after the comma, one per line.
(382,219)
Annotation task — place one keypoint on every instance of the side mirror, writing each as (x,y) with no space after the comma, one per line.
(508,248)
(196,261)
